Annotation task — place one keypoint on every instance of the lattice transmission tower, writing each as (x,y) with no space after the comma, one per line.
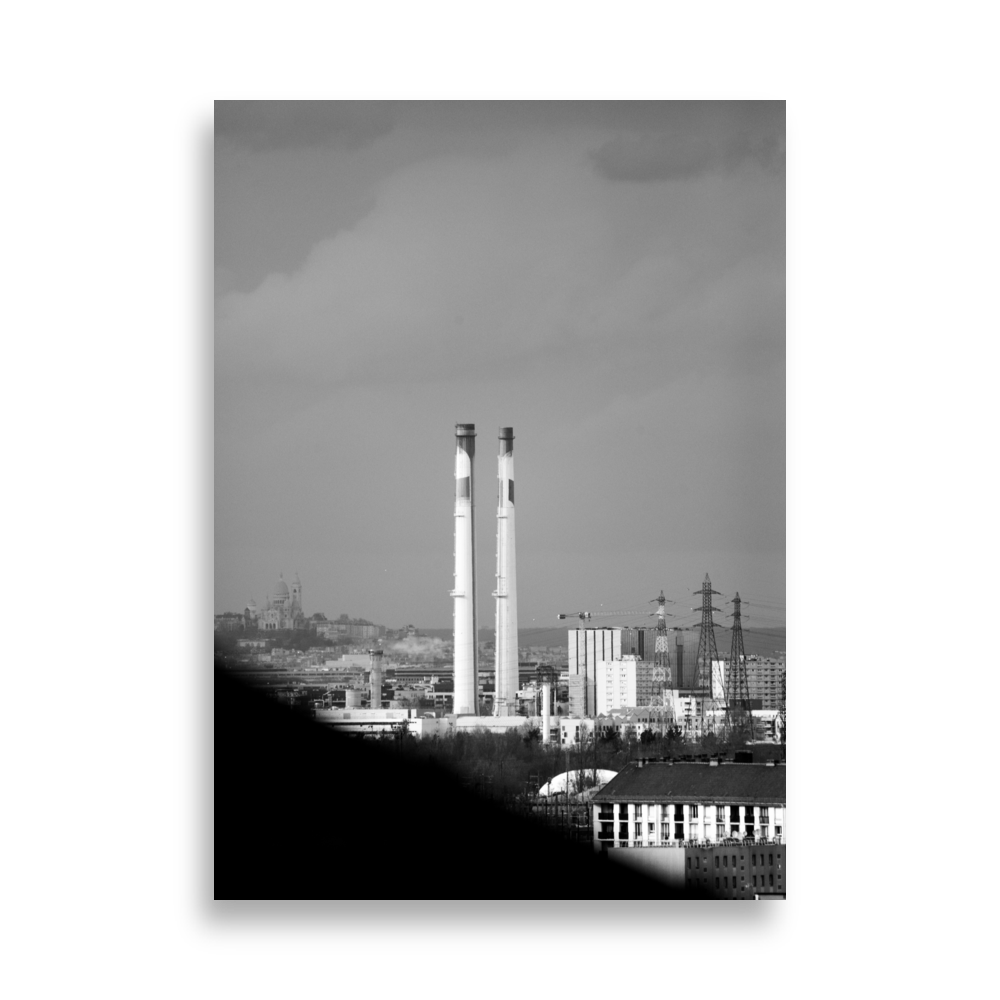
(739,715)
(707,651)
(662,675)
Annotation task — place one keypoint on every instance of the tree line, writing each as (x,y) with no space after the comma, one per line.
(516,763)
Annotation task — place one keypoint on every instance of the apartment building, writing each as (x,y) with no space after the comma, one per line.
(716,826)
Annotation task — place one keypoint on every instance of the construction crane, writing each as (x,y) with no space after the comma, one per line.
(585,616)
(661,675)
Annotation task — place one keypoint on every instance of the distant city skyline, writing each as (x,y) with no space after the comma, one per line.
(606,278)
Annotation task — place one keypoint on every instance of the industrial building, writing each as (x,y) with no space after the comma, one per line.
(496,724)
(720,827)
(419,723)
(384,721)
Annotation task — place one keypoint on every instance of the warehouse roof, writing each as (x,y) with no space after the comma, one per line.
(691,782)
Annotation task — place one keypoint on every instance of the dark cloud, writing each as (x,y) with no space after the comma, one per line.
(653,158)
(694,140)
(765,148)
(665,158)
(476,264)
(261,125)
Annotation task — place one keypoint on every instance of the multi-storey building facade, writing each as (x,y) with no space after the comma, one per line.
(765,681)
(624,683)
(580,695)
(588,648)
(585,648)
(692,824)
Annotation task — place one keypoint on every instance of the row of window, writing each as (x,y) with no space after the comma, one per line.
(725,882)
(721,835)
(606,812)
(749,832)
(725,860)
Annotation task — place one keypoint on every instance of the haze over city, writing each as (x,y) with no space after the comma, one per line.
(606,278)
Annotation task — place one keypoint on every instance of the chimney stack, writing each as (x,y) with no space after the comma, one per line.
(546,710)
(506,675)
(375,677)
(466,697)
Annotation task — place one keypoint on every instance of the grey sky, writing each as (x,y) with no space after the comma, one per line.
(606,278)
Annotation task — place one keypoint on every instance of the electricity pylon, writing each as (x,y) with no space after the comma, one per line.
(707,652)
(661,677)
(738,711)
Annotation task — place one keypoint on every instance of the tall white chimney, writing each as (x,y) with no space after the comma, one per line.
(505,701)
(375,677)
(546,709)
(466,698)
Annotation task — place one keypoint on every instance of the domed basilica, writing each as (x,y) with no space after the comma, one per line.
(282,610)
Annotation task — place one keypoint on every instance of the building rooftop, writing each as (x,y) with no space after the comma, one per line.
(749,784)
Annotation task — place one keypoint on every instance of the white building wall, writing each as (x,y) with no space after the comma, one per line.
(701,827)
(617,684)
(586,647)
(691,712)
(719,670)
(779,821)
(495,724)
(605,687)
(573,728)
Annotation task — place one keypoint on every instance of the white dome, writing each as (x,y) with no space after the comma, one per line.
(557,786)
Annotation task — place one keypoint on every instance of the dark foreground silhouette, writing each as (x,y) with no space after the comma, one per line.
(305,813)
